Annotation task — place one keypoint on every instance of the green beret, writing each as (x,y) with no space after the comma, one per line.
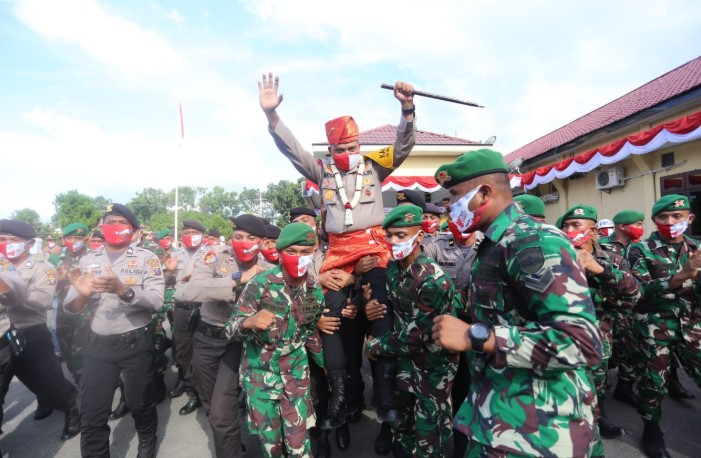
(75,229)
(470,165)
(531,205)
(628,217)
(296,234)
(578,212)
(164,233)
(403,216)
(670,203)
(445,226)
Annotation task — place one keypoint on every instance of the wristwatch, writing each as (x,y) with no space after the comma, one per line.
(479,334)
(128,295)
(409,111)
(236,277)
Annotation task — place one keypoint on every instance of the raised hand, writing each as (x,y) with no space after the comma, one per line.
(267,93)
(404,92)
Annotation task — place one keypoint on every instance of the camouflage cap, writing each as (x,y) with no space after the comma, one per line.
(628,217)
(470,165)
(531,205)
(403,216)
(296,234)
(670,203)
(75,229)
(578,212)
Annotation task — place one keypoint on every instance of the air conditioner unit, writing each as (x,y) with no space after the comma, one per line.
(611,177)
(550,198)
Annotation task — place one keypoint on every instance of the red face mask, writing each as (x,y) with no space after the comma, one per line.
(117,234)
(165,243)
(346,161)
(96,245)
(429,227)
(245,250)
(456,232)
(74,246)
(634,232)
(605,231)
(296,266)
(192,240)
(271,255)
(579,238)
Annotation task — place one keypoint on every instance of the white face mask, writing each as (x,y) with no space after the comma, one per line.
(303,265)
(403,249)
(460,213)
(15,250)
(678,229)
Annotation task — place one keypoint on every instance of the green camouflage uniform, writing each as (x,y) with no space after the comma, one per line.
(160,338)
(534,395)
(274,368)
(623,351)
(665,320)
(425,372)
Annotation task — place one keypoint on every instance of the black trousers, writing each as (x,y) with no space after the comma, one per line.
(182,341)
(40,371)
(215,369)
(104,362)
(5,373)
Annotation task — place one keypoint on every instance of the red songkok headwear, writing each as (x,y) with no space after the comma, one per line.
(341,130)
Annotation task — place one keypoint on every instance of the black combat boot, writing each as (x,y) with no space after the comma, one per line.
(384,387)
(653,440)
(192,404)
(121,408)
(147,447)
(42,411)
(676,389)
(459,444)
(338,404)
(399,452)
(324,448)
(159,390)
(356,404)
(383,443)
(71,426)
(607,428)
(625,393)
(343,436)
(179,387)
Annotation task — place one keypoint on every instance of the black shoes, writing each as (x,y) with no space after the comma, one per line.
(384,390)
(343,436)
(71,427)
(147,447)
(676,390)
(607,428)
(121,408)
(42,412)
(192,404)
(324,448)
(625,393)
(653,440)
(178,389)
(338,404)
(383,443)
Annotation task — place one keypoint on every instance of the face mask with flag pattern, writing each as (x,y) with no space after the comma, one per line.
(346,161)
(296,266)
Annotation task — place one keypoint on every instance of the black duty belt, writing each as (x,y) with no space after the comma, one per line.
(186,305)
(119,340)
(211,331)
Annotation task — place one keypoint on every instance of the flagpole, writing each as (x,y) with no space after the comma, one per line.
(180,146)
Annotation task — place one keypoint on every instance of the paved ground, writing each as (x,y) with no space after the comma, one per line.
(190,436)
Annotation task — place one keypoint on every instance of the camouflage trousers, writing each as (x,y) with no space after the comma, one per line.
(658,337)
(624,352)
(601,370)
(71,332)
(424,424)
(160,360)
(281,424)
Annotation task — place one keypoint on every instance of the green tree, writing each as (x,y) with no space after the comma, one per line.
(219,202)
(32,218)
(148,203)
(281,197)
(187,197)
(74,207)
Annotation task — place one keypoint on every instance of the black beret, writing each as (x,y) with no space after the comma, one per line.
(407,196)
(251,224)
(213,232)
(193,224)
(273,231)
(18,228)
(97,234)
(123,210)
(297,211)
(433,209)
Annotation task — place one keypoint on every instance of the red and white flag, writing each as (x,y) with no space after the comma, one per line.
(182,122)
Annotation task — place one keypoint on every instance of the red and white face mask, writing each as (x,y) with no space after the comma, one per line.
(634,232)
(457,235)
(96,245)
(672,231)
(74,247)
(117,234)
(192,240)
(165,243)
(579,238)
(606,231)
(296,266)
(12,250)
(245,250)
(429,226)
(271,255)
(346,161)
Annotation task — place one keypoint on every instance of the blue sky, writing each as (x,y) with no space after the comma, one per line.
(90,88)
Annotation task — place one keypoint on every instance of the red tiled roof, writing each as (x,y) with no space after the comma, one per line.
(387,134)
(661,89)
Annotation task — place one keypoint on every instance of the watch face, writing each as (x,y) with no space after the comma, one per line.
(479,331)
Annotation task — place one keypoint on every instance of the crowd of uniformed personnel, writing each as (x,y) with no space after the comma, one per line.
(481,321)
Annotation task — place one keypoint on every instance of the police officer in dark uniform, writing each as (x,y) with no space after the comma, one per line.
(123,285)
(36,364)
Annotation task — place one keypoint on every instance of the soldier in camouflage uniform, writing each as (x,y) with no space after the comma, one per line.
(667,318)
(276,318)
(612,287)
(532,206)
(419,291)
(628,227)
(533,335)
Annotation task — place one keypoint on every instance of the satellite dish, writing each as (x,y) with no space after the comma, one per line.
(515,164)
(490,140)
